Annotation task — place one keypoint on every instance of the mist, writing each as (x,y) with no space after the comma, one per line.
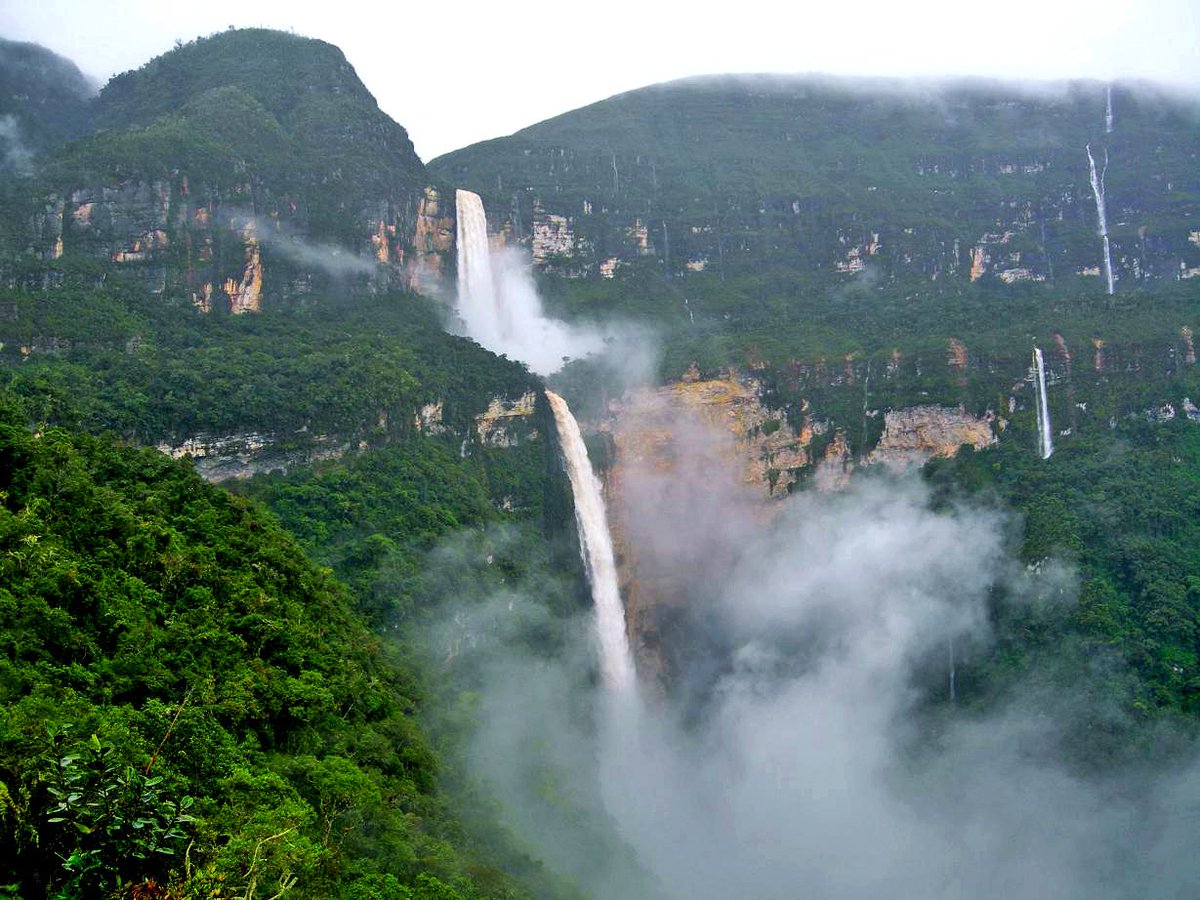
(17,157)
(329,258)
(801,741)
(514,323)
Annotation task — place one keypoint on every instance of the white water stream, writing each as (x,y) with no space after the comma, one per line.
(498,303)
(1043,406)
(616,661)
(1101,213)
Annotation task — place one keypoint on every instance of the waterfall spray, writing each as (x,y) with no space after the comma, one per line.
(1101,214)
(498,302)
(616,661)
(1108,112)
(1043,406)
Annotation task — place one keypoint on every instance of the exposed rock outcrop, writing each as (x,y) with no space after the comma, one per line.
(765,448)
(230,457)
(245,295)
(913,435)
(496,427)
(432,240)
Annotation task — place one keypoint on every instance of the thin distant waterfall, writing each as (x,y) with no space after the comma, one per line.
(1108,112)
(478,301)
(1101,213)
(1043,406)
(616,661)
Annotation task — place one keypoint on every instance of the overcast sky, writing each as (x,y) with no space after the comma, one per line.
(461,72)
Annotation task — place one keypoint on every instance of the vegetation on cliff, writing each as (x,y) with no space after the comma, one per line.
(1121,509)
(152,371)
(188,700)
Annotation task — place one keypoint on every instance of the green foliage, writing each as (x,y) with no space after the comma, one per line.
(752,190)
(1121,506)
(186,631)
(285,114)
(113,822)
(149,371)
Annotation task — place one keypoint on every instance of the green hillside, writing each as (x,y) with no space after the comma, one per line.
(252,158)
(233,692)
(188,701)
(43,102)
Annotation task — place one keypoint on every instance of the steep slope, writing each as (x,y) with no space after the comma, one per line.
(864,246)
(820,177)
(241,167)
(847,275)
(186,700)
(43,101)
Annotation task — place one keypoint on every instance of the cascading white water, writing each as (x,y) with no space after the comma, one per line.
(616,661)
(499,305)
(1043,406)
(1098,190)
(478,303)
(1108,112)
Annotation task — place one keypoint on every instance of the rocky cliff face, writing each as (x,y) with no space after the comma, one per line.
(503,423)
(222,457)
(912,436)
(716,437)
(218,458)
(764,447)
(173,234)
(432,240)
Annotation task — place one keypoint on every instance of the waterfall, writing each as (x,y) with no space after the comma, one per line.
(616,661)
(1108,112)
(1101,214)
(499,304)
(1043,406)
(478,303)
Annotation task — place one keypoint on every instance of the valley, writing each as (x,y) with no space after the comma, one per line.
(737,483)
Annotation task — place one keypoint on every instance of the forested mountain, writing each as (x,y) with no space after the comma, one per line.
(43,102)
(238,168)
(812,177)
(873,262)
(271,742)
(772,219)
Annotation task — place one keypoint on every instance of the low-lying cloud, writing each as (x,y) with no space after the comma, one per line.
(803,744)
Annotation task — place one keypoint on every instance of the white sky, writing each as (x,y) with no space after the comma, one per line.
(461,72)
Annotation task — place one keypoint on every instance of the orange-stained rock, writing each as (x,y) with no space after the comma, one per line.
(956,355)
(246,295)
(433,236)
(913,435)
(979,262)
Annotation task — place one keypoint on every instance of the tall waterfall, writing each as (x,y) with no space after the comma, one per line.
(596,545)
(1108,112)
(478,303)
(1043,406)
(1101,214)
